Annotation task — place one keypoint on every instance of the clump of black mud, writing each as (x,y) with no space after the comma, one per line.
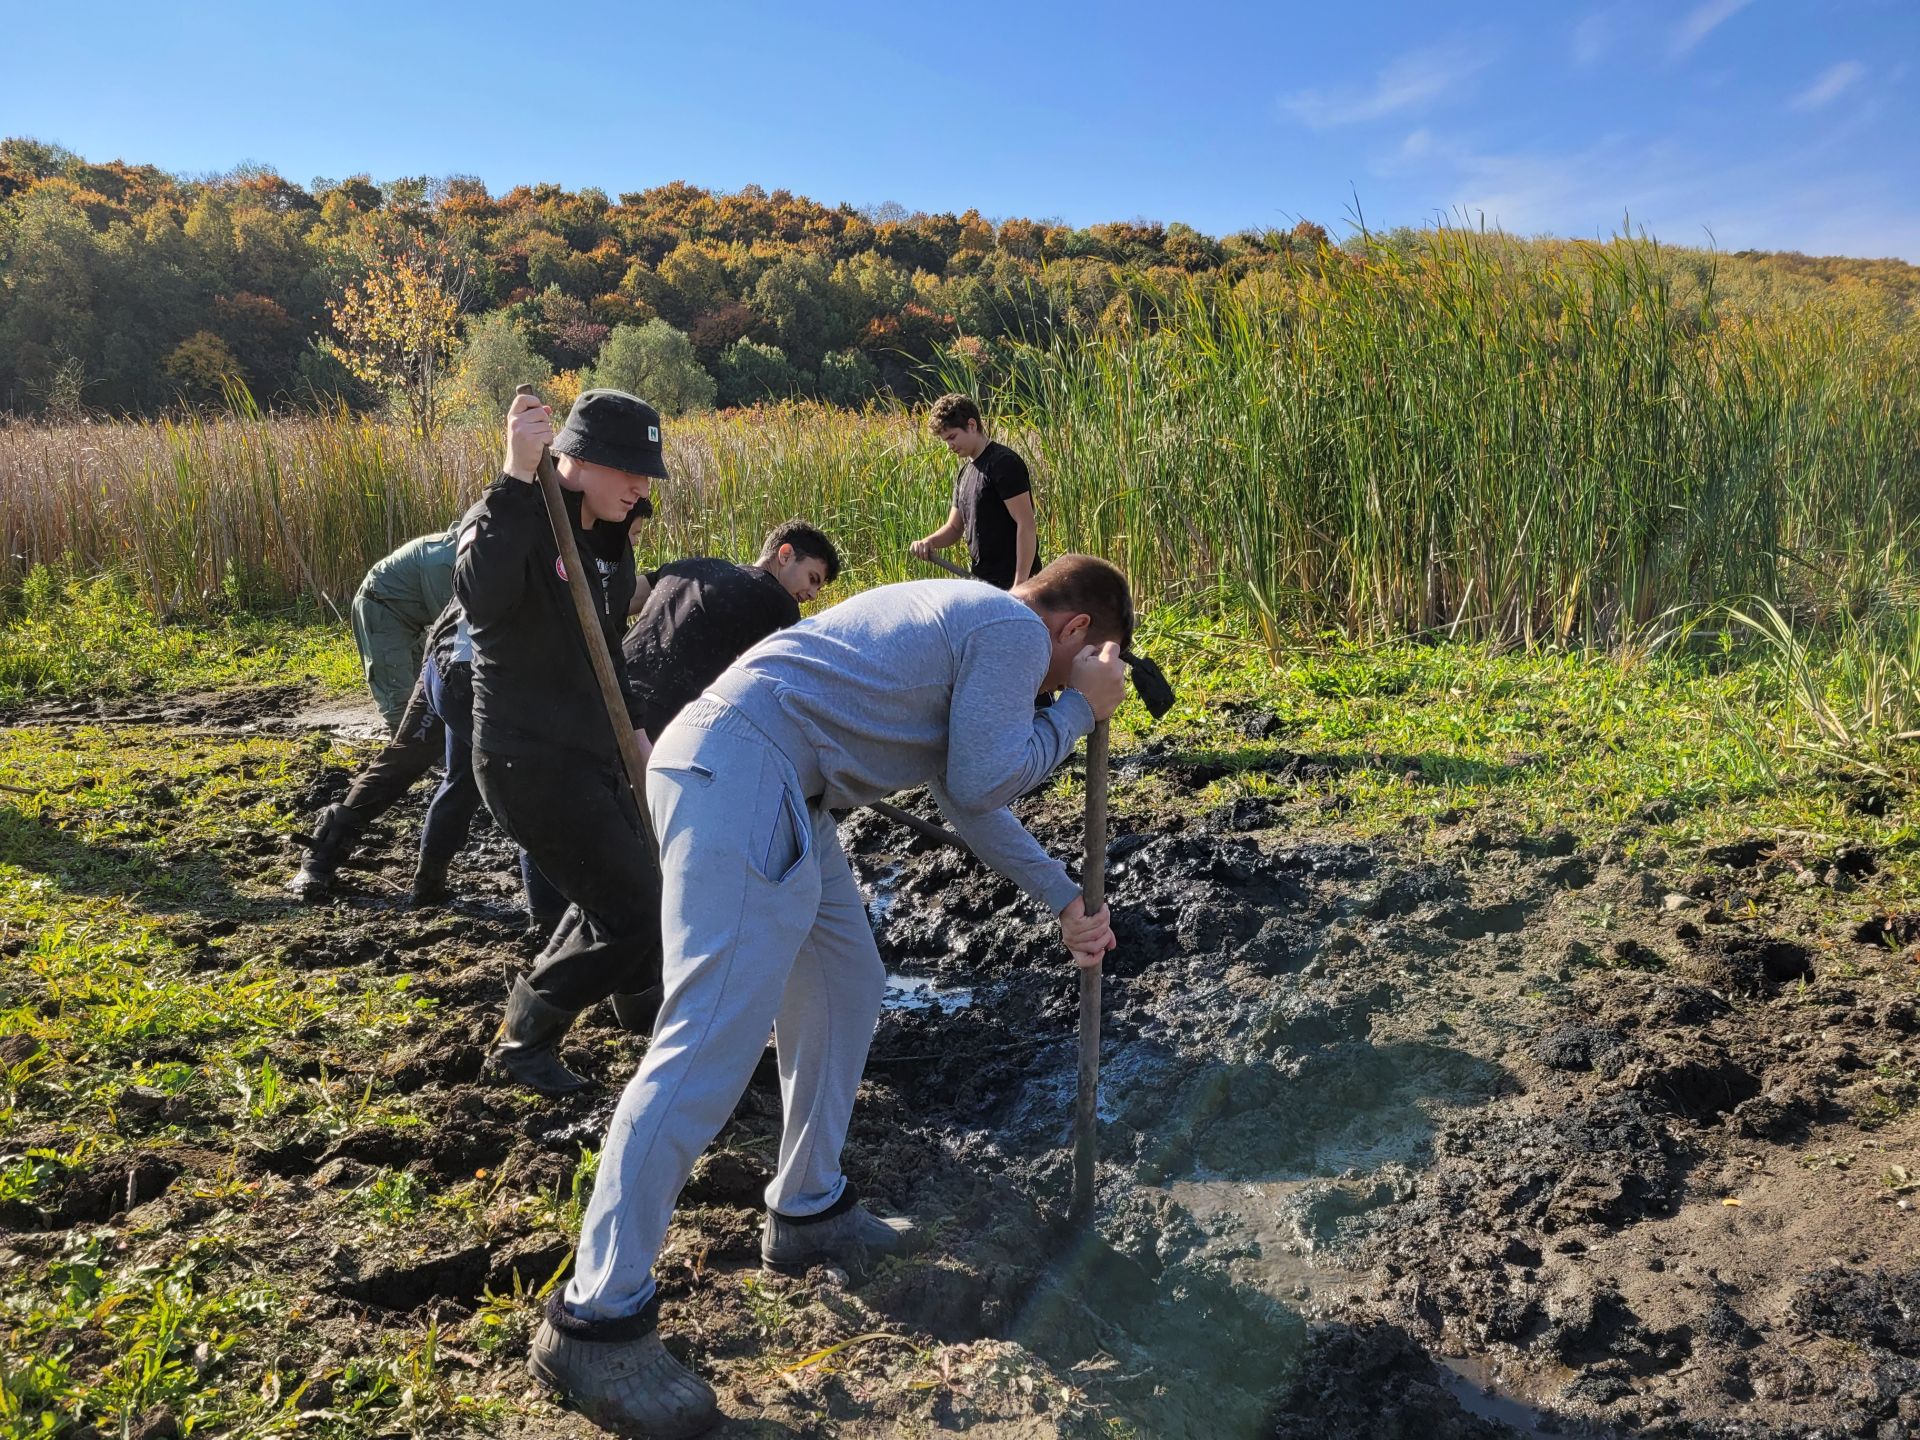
(1497,1134)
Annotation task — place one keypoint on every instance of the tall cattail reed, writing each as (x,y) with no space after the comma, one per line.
(271,510)
(1475,438)
(1471,436)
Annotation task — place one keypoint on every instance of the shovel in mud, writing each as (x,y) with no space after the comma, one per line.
(1157,695)
(1093,894)
(1150,684)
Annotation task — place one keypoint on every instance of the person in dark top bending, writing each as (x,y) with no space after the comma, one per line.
(544,755)
(992,500)
(702,614)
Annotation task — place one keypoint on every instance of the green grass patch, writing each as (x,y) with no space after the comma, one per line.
(1685,748)
(92,637)
(141,1013)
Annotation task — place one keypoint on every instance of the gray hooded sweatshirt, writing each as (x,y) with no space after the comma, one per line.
(927,683)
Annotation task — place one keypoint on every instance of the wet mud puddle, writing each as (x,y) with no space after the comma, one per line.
(1482,1392)
(908,992)
(1283,1092)
(1272,1235)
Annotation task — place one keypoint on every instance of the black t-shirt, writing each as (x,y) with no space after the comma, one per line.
(534,689)
(980,494)
(702,615)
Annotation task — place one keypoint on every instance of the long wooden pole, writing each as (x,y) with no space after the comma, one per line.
(595,640)
(1093,894)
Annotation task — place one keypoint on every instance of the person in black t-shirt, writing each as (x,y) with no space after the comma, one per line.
(992,499)
(702,614)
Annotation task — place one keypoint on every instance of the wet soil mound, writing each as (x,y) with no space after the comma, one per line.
(1449,1089)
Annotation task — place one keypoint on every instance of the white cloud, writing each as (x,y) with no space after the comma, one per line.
(1702,21)
(1593,37)
(1802,199)
(1834,82)
(1410,81)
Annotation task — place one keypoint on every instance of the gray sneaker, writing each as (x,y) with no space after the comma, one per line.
(632,1387)
(852,1238)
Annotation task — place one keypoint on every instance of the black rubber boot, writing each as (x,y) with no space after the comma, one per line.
(333,841)
(430,881)
(847,1234)
(528,1048)
(637,1012)
(629,1385)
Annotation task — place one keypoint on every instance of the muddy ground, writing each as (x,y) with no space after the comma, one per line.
(1467,1132)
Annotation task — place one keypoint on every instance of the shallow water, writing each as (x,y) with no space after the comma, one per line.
(1480,1392)
(917,992)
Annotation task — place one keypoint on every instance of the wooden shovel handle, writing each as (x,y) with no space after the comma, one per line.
(1093,895)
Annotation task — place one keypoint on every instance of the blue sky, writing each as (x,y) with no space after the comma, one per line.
(1778,124)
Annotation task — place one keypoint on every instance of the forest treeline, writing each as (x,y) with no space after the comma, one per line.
(128,290)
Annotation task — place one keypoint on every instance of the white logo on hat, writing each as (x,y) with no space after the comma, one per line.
(653,433)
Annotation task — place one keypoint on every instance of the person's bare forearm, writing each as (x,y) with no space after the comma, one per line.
(1026,543)
(927,546)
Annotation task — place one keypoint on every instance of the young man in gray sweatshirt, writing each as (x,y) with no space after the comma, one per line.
(928,683)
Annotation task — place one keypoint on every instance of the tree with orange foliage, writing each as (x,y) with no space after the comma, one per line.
(397,325)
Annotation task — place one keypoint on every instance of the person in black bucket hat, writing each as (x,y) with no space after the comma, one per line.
(544,757)
(614,429)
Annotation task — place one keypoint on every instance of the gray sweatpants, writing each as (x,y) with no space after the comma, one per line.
(761,925)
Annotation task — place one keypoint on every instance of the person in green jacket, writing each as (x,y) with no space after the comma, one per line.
(392,609)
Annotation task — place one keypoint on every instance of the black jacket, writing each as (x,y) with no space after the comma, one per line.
(443,645)
(703,615)
(533,685)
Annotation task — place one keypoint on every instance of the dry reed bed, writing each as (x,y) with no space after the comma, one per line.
(1465,437)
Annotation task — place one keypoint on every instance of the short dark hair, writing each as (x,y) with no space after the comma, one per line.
(1086,584)
(952,412)
(805,540)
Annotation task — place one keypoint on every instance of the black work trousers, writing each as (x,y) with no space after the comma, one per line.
(417,745)
(577,821)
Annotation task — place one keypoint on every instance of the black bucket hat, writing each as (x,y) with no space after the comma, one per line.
(611,427)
